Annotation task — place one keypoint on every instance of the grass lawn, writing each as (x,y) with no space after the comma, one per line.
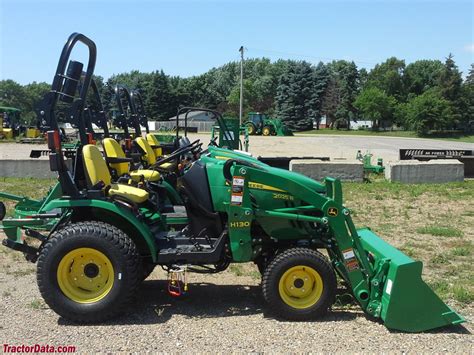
(433,223)
(403,134)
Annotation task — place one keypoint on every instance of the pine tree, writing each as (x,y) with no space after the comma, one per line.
(450,80)
(295,98)
(320,82)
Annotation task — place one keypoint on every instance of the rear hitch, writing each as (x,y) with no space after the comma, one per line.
(31,253)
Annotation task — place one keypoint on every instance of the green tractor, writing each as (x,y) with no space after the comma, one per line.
(109,235)
(260,124)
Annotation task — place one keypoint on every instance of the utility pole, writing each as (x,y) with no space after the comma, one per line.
(241,50)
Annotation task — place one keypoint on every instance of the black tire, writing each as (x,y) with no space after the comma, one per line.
(104,239)
(3,211)
(304,258)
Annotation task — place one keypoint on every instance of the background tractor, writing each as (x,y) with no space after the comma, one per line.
(260,124)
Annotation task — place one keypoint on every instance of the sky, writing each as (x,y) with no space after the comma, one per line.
(188,38)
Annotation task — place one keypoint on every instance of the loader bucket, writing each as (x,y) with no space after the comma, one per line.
(408,303)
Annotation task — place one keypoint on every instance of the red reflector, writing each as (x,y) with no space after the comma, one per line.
(54,140)
(90,138)
(128,143)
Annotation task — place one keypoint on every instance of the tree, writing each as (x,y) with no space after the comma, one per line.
(421,76)
(470,75)
(294,99)
(321,81)
(450,80)
(12,94)
(342,89)
(331,101)
(34,93)
(388,77)
(376,106)
(248,96)
(158,100)
(467,102)
(429,111)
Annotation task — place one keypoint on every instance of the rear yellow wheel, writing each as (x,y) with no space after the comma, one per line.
(88,271)
(85,275)
(300,287)
(299,284)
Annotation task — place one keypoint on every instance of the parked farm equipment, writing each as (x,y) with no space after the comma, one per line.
(464,156)
(260,124)
(238,209)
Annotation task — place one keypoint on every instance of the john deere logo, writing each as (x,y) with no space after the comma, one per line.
(332,211)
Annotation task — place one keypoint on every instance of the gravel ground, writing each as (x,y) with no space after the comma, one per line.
(301,145)
(221,313)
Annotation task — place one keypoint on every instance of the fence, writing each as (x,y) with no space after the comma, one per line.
(202,126)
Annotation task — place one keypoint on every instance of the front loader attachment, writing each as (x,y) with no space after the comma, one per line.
(407,302)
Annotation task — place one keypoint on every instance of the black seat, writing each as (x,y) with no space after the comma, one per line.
(203,220)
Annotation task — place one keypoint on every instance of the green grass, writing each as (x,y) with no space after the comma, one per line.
(439,231)
(241,270)
(30,187)
(468,138)
(37,304)
(461,251)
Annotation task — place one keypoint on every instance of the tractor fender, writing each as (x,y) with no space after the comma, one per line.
(111,213)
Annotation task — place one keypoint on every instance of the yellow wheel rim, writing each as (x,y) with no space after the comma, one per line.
(266,131)
(85,275)
(300,287)
(250,129)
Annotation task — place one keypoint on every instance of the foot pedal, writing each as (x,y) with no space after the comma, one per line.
(177,281)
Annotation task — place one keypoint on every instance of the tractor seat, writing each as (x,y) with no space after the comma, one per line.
(154,144)
(113,150)
(96,171)
(150,156)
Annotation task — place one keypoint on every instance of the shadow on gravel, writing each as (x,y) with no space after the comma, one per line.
(153,304)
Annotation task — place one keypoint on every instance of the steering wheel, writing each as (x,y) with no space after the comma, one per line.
(188,148)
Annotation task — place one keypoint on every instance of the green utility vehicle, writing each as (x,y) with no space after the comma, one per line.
(110,235)
(260,124)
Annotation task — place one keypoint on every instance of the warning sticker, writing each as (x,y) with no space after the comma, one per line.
(350,258)
(238,181)
(236,199)
(348,254)
(352,265)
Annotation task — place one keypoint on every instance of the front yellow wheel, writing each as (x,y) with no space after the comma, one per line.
(251,129)
(85,275)
(266,131)
(300,287)
(299,284)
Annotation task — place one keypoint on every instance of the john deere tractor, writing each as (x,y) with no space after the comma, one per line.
(108,235)
(260,124)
